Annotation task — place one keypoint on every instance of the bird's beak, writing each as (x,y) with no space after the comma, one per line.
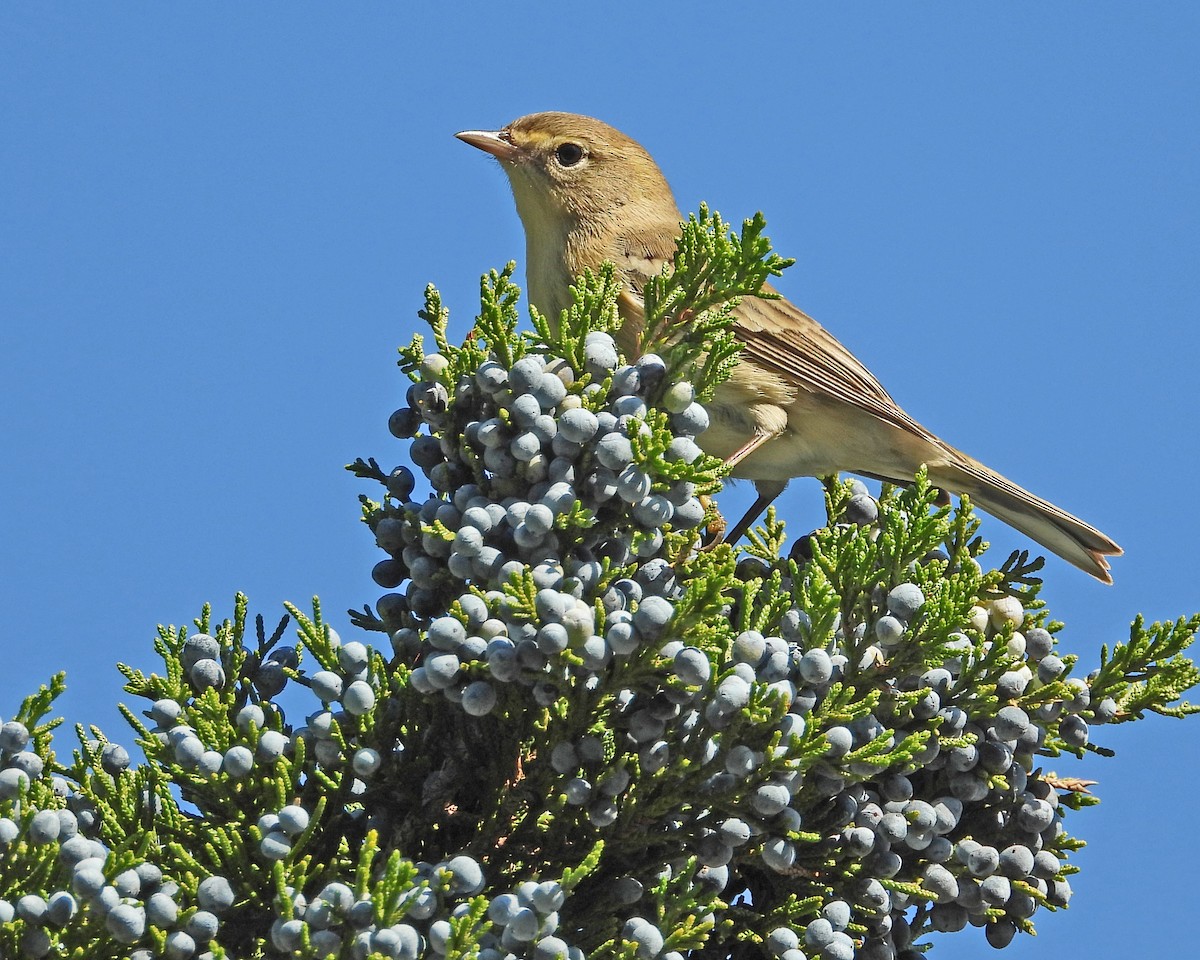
(495,142)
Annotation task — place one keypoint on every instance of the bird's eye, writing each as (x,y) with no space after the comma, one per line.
(568,154)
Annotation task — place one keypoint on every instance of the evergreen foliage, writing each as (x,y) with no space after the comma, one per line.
(581,731)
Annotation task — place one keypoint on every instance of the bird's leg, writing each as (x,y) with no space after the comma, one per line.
(768,490)
(742,452)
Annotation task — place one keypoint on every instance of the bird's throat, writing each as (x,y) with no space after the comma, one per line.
(547,277)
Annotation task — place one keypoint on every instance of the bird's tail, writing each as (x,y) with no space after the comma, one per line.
(1052,527)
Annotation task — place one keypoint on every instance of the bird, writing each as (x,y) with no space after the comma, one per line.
(797,403)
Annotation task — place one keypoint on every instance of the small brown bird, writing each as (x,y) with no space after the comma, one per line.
(798,402)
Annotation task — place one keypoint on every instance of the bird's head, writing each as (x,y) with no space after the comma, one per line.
(568,170)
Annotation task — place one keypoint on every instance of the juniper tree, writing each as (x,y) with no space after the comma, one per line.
(572,727)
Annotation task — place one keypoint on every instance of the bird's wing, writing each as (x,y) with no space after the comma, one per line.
(782,338)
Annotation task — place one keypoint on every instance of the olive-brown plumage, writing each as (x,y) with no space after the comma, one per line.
(798,402)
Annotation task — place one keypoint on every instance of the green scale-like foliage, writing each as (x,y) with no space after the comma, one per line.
(588,730)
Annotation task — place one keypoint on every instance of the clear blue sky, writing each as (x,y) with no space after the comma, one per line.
(216,222)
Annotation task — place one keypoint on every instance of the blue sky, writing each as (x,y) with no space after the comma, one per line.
(216,222)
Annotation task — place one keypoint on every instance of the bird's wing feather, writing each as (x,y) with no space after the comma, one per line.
(778,336)
(784,339)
